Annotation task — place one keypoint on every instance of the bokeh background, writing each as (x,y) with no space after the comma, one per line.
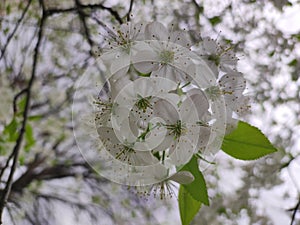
(46,45)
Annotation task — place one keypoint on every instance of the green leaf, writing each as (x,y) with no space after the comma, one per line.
(29,138)
(2,149)
(21,106)
(197,188)
(8,9)
(247,143)
(188,206)
(35,117)
(96,199)
(10,131)
(293,63)
(215,20)
(22,160)
(143,74)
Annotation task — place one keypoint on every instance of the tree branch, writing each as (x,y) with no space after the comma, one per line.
(17,147)
(24,91)
(295,212)
(114,13)
(82,16)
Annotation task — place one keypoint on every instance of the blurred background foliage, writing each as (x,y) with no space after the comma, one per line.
(46,45)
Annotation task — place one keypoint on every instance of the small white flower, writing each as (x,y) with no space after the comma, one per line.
(230,86)
(123,150)
(215,55)
(166,189)
(120,45)
(167,55)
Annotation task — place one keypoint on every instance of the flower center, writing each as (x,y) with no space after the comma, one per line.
(125,153)
(166,56)
(124,42)
(177,129)
(143,103)
(215,59)
(214,92)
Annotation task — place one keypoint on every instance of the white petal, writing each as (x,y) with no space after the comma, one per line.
(167,111)
(143,87)
(156,31)
(181,152)
(180,38)
(210,45)
(233,82)
(143,158)
(116,86)
(183,177)
(200,101)
(204,136)
(231,125)
(120,65)
(188,112)
(107,134)
(145,61)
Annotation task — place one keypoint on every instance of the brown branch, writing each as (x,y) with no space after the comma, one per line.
(15,29)
(17,147)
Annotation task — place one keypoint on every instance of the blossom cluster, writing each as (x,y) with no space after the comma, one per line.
(161,100)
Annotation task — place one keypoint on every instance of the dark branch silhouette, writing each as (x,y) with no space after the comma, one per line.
(17,147)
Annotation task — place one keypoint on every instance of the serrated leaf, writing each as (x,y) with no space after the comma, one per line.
(197,188)
(188,206)
(247,142)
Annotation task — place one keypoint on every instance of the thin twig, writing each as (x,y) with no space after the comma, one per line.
(11,216)
(114,13)
(82,16)
(130,9)
(24,91)
(17,147)
(6,164)
(15,29)
(295,212)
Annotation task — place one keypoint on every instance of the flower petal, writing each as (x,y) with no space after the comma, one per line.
(145,61)
(165,110)
(183,177)
(156,31)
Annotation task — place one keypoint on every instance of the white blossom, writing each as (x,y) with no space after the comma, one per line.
(168,51)
(215,55)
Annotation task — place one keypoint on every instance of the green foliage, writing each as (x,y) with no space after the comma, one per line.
(8,9)
(293,62)
(10,131)
(247,143)
(21,106)
(215,20)
(197,188)
(188,206)
(29,138)
(8,135)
